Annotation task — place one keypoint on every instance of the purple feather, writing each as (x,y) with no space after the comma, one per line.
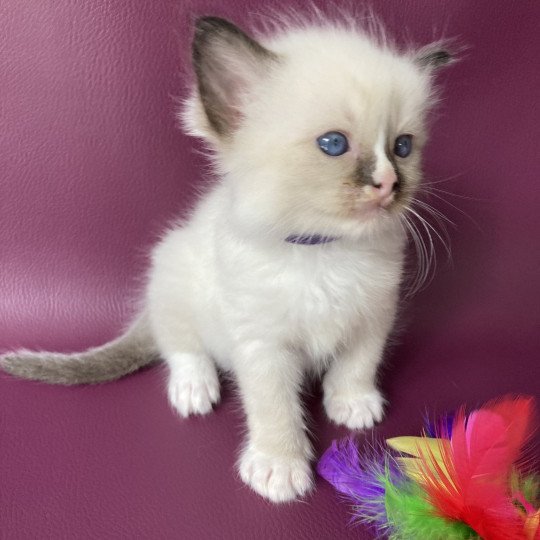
(441,428)
(360,479)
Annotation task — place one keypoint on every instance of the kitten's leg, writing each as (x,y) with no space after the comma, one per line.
(351,396)
(193,385)
(275,459)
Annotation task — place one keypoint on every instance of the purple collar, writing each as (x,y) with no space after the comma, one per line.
(310,240)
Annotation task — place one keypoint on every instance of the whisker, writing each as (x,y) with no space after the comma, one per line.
(429,189)
(443,236)
(427,225)
(473,221)
(446,179)
(439,217)
(424,258)
(432,258)
(413,285)
(437,214)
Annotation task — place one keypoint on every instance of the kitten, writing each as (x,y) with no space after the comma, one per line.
(292,262)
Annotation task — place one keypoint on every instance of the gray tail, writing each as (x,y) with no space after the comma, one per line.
(126,354)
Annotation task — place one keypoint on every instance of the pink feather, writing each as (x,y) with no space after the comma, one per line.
(473,487)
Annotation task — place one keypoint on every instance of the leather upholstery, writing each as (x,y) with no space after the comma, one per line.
(93,168)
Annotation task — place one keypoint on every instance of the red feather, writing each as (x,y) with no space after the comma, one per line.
(483,449)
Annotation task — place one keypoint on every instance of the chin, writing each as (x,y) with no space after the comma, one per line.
(367,224)
(372,213)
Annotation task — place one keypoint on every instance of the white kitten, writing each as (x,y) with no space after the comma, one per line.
(292,263)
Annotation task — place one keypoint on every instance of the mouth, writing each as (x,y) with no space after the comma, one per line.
(374,206)
(387,201)
(369,211)
(369,199)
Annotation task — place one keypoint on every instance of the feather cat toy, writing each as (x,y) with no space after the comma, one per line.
(463,479)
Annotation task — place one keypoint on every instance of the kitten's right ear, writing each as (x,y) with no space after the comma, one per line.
(228,65)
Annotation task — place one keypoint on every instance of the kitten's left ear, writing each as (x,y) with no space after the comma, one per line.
(433,57)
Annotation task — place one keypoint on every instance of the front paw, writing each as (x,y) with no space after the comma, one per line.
(278,478)
(360,410)
(193,389)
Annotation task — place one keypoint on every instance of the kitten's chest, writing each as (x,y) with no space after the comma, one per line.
(330,297)
(312,297)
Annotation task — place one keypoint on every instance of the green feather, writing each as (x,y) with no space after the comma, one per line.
(530,487)
(412,517)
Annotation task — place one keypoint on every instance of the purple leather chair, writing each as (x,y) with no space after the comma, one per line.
(92,167)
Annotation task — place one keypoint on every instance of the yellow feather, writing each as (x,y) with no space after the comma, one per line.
(419,447)
(411,468)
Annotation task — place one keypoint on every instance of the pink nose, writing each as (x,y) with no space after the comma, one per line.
(386,183)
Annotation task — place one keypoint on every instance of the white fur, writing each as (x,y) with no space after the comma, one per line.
(225,287)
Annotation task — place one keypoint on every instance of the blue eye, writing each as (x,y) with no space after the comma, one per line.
(333,143)
(403,146)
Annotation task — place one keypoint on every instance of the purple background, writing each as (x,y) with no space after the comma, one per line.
(92,167)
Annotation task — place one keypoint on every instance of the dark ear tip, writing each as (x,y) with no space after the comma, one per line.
(441,57)
(208,24)
(434,58)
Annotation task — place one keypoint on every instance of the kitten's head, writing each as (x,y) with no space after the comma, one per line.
(319,129)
